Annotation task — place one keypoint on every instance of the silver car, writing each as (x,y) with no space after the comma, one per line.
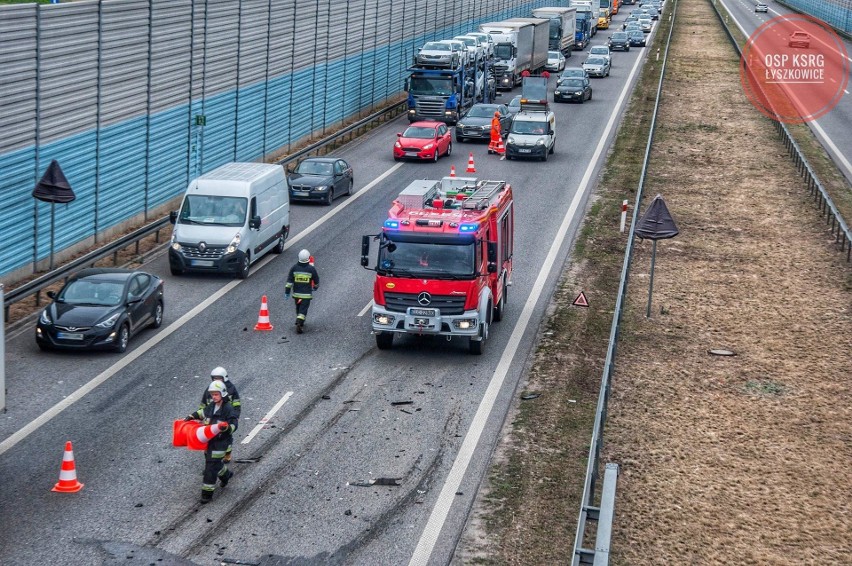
(458,47)
(597,66)
(438,54)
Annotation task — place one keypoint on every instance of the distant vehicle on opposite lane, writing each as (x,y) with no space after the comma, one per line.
(761,7)
(799,39)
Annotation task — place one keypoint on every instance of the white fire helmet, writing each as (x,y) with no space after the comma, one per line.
(304,256)
(217,386)
(219,372)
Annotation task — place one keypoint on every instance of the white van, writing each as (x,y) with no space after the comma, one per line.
(229,218)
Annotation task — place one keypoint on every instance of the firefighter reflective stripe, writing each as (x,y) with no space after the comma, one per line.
(217,454)
(302,296)
(208,487)
(301,277)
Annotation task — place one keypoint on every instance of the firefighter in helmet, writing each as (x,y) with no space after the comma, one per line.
(219,410)
(302,280)
(221,374)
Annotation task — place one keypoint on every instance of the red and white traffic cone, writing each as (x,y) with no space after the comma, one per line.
(263,316)
(68,474)
(198,439)
(471,168)
(452,170)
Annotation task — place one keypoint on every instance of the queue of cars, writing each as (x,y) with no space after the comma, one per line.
(105,308)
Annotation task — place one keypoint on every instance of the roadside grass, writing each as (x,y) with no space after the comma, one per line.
(836,185)
(530,506)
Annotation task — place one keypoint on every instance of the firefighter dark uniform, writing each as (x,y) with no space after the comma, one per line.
(214,465)
(302,280)
(233,396)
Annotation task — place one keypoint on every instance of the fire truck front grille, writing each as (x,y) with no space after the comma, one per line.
(430,109)
(449,304)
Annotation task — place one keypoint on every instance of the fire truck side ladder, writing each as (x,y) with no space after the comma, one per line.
(481,198)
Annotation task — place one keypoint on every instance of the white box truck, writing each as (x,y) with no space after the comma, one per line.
(229,218)
(563,27)
(513,50)
(541,40)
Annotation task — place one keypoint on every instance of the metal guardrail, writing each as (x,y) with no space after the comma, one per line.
(839,229)
(64,272)
(588,511)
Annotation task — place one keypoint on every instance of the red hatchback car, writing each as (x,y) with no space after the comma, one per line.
(423,140)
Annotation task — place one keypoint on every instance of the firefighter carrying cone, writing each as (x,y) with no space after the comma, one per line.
(218,410)
(496,134)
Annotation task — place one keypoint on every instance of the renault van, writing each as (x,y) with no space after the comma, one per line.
(229,218)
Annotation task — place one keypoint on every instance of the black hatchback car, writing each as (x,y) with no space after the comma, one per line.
(320,179)
(101,309)
(576,89)
(619,41)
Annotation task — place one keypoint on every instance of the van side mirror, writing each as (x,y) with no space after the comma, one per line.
(51,294)
(365,250)
(173,216)
(254,223)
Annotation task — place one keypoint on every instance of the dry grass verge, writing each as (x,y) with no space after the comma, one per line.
(738,459)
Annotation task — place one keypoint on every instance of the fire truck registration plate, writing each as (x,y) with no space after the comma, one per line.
(422,312)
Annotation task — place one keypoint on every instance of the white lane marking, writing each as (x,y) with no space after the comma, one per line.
(75,396)
(266,418)
(821,134)
(365,309)
(433,527)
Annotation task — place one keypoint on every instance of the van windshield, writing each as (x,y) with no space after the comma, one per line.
(213,210)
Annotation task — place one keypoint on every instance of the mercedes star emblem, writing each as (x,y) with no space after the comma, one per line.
(424,299)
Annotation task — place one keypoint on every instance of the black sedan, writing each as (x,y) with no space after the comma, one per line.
(101,309)
(619,41)
(577,89)
(476,123)
(320,179)
(636,38)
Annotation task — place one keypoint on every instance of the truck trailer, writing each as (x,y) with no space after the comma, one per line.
(562,27)
(541,41)
(513,50)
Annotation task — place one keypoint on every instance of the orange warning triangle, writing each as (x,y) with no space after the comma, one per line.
(581,301)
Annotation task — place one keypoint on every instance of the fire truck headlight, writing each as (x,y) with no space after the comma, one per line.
(465,323)
(383,319)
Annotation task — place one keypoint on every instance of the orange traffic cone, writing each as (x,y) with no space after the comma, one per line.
(311,260)
(500,149)
(452,170)
(471,168)
(198,439)
(68,474)
(263,316)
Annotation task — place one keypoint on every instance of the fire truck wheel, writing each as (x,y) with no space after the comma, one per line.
(384,340)
(501,306)
(476,347)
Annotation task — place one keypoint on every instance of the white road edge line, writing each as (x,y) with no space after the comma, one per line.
(433,527)
(819,131)
(365,309)
(266,418)
(75,396)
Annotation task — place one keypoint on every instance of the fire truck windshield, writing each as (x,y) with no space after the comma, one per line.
(428,260)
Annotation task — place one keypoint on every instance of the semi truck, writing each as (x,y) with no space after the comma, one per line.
(563,27)
(444,94)
(587,10)
(605,5)
(513,45)
(541,42)
(583,34)
(444,262)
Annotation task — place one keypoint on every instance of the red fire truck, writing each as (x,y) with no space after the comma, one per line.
(444,262)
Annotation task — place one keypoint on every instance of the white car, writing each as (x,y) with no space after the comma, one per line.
(555,61)
(475,47)
(486,40)
(458,47)
(601,51)
(761,7)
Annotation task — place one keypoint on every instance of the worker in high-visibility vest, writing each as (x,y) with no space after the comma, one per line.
(496,134)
